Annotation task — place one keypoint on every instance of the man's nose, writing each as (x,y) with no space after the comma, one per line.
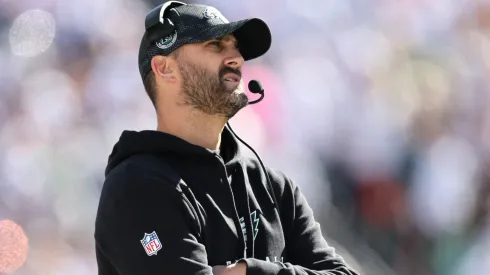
(234,59)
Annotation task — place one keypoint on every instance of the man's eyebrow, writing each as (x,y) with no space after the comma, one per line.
(228,38)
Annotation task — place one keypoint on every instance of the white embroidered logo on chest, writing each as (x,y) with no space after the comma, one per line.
(255,225)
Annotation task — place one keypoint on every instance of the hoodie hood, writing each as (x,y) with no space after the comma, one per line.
(159,143)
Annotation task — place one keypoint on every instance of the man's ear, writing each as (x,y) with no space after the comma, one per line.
(162,69)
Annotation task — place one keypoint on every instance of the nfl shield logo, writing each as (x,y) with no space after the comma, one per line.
(151,243)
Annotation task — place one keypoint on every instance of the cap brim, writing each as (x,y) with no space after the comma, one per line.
(253,36)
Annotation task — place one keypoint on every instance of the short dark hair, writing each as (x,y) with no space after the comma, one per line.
(150,82)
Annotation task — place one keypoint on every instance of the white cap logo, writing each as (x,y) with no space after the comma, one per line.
(211,12)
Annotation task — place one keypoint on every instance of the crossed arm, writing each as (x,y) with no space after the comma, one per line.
(149,206)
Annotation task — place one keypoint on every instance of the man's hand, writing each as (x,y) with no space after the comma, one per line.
(233,269)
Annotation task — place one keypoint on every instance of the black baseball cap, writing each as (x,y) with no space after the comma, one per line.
(174,24)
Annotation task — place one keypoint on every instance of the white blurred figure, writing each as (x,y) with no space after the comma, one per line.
(445,186)
(32,33)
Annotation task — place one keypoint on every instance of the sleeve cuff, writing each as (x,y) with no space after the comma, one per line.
(259,267)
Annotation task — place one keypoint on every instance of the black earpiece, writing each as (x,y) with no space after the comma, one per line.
(157,21)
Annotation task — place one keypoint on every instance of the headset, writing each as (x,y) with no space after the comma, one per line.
(157,17)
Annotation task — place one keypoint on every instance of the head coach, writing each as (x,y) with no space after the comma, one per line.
(182,199)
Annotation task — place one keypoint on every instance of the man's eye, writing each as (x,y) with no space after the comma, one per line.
(215,43)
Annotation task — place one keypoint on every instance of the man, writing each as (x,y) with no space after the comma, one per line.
(182,200)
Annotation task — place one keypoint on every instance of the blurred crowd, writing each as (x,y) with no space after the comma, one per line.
(376,108)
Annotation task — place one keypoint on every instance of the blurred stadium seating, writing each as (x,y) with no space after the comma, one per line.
(378,109)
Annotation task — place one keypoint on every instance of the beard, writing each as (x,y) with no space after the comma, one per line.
(208,93)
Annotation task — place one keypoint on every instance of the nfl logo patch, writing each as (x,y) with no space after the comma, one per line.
(151,243)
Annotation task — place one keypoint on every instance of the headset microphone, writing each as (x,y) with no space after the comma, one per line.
(255,87)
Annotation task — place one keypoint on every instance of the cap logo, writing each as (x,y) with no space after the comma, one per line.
(211,13)
(167,42)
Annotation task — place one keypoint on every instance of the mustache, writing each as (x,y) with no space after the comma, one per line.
(226,70)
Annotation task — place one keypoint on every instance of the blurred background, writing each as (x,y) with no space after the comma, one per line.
(376,108)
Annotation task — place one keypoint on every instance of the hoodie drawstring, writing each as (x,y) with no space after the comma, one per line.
(243,206)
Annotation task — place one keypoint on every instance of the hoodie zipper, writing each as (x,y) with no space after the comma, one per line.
(240,190)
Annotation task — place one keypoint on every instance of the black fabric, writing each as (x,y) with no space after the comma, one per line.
(195,23)
(242,205)
(159,183)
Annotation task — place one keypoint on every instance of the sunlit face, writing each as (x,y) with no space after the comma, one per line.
(211,77)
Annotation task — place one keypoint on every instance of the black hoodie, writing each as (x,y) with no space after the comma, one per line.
(170,207)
